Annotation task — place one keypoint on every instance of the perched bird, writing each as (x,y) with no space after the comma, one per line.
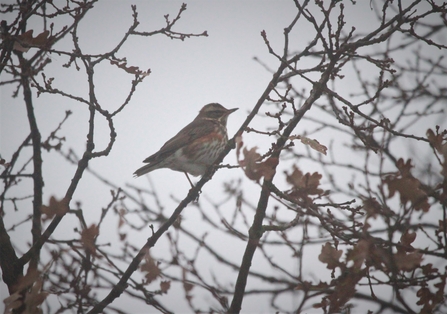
(196,146)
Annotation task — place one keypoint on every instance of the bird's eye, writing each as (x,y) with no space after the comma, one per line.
(215,113)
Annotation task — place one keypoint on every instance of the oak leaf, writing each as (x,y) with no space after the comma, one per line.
(165,286)
(431,300)
(26,40)
(122,64)
(407,258)
(372,207)
(34,297)
(358,254)
(312,143)
(439,142)
(55,208)
(150,268)
(435,140)
(304,185)
(252,163)
(88,238)
(407,186)
(330,256)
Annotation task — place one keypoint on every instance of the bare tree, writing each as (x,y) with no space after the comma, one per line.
(371,216)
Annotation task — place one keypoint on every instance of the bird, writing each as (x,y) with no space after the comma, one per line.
(195,147)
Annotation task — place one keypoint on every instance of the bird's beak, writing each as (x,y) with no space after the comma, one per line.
(231,110)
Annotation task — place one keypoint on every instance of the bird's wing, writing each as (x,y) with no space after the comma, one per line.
(186,136)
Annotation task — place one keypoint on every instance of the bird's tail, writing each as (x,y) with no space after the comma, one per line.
(143,170)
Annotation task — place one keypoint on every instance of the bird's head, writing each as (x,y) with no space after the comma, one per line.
(215,111)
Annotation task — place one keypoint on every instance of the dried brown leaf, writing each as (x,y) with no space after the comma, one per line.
(435,140)
(4,163)
(55,208)
(407,186)
(13,302)
(41,39)
(407,238)
(26,40)
(122,220)
(431,300)
(35,297)
(304,185)
(407,261)
(409,191)
(252,165)
(165,286)
(358,254)
(407,258)
(344,290)
(32,284)
(439,142)
(428,269)
(151,268)
(314,144)
(88,238)
(122,64)
(372,207)
(186,285)
(330,256)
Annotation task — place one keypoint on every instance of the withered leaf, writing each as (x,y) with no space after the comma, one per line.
(439,142)
(41,39)
(431,300)
(29,279)
(358,254)
(14,301)
(4,163)
(165,285)
(151,268)
(344,290)
(372,207)
(407,238)
(122,64)
(35,297)
(307,286)
(32,284)
(435,140)
(88,238)
(55,208)
(404,167)
(428,269)
(330,256)
(409,191)
(441,225)
(252,165)
(122,220)
(304,185)
(407,186)
(407,261)
(26,40)
(314,144)
(307,181)
(186,285)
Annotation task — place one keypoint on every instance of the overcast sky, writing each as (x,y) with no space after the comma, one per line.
(185,75)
